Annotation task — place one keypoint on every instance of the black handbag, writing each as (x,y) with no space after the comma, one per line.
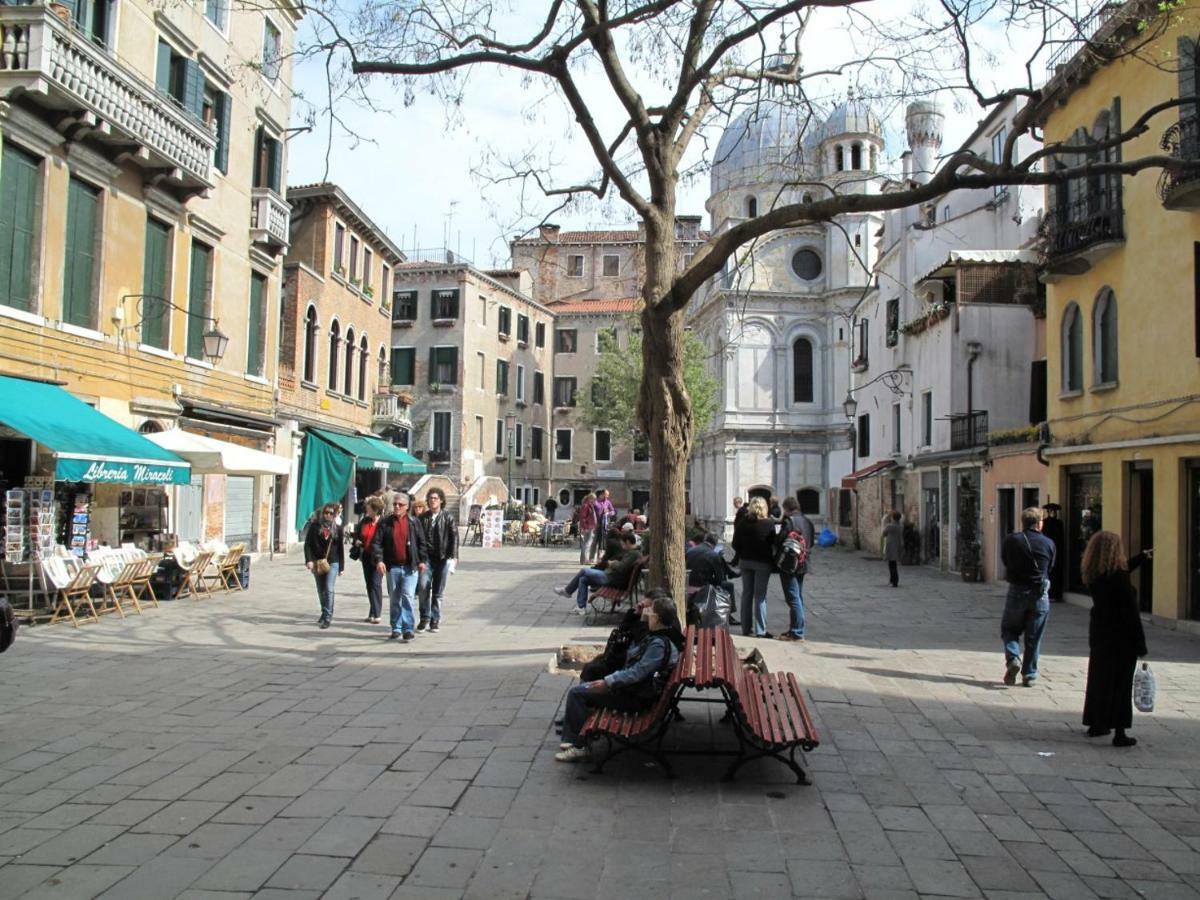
(356,551)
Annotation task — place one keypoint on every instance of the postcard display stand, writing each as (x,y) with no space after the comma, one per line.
(30,530)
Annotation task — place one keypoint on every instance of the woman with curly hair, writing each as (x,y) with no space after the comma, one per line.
(1115,637)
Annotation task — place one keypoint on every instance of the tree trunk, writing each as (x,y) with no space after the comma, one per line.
(665,413)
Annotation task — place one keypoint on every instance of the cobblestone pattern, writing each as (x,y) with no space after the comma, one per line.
(227,748)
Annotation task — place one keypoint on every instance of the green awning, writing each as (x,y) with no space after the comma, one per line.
(87,445)
(328,466)
(373,453)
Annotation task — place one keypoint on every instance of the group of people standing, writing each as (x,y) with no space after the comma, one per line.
(411,555)
(1116,638)
(758,536)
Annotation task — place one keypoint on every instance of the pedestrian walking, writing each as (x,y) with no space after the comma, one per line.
(441,531)
(1028,556)
(606,514)
(754,543)
(587,530)
(1115,637)
(551,507)
(400,552)
(364,534)
(323,556)
(793,582)
(893,548)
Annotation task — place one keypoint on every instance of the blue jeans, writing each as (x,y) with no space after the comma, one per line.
(402,584)
(793,593)
(583,581)
(325,589)
(433,590)
(756,578)
(1025,612)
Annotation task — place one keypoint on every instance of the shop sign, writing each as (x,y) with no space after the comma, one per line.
(103,472)
(610,473)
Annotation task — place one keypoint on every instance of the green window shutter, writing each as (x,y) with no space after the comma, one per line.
(452,354)
(432,365)
(274,163)
(254,333)
(162,71)
(193,88)
(1187,74)
(18,207)
(154,285)
(222,111)
(83,211)
(404,360)
(198,280)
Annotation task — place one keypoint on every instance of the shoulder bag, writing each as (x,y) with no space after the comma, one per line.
(321,566)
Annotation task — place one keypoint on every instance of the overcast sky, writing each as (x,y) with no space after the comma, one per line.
(412,168)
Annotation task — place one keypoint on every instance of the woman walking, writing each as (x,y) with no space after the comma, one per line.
(587,530)
(893,547)
(754,543)
(364,533)
(1115,637)
(323,556)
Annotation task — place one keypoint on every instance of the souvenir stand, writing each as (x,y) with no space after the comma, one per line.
(70,450)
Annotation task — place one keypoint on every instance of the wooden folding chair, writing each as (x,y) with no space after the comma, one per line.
(122,587)
(73,593)
(227,568)
(140,582)
(193,577)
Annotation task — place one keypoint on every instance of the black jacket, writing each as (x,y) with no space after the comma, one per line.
(442,535)
(316,546)
(383,547)
(1116,622)
(1028,557)
(754,539)
(705,565)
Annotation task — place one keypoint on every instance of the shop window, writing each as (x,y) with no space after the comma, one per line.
(256,331)
(155,278)
(81,250)
(20,181)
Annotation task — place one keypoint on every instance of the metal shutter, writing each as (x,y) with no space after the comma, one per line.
(189,510)
(239,509)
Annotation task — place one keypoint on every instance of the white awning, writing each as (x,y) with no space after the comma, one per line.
(210,456)
(978,257)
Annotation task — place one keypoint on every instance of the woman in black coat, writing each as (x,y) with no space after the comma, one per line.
(754,543)
(324,541)
(1115,637)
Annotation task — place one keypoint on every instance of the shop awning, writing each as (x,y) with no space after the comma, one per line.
(87,445)
(210,456)
(851,481)
(329,462)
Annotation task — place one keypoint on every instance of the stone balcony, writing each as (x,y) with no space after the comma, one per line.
(387,411)
(93,95)
(270,219)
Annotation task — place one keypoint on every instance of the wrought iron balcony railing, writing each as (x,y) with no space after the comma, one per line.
(1179,188)
(61,68)
(1094,218)
(968,430)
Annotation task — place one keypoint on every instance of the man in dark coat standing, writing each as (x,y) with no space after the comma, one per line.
(401,553)
(1028,557)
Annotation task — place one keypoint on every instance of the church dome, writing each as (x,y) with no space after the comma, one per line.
(852,117)
(771,142)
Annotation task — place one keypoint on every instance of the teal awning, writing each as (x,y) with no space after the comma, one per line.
(329,462)
(87,445)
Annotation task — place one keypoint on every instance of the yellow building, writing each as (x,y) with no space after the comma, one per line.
(141,208)
(1123,318)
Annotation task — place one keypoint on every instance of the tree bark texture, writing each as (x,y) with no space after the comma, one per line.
(665,413)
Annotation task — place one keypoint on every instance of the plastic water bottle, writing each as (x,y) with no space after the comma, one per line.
(1143,689)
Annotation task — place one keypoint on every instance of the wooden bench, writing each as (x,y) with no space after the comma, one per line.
(767,711)
(605,601)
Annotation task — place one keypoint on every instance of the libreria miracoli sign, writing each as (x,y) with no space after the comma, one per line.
(101,472)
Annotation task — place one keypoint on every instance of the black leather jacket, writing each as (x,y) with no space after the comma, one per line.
(442,535)
(383,547)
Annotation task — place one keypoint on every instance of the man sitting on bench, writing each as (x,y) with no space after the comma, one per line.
(615,574)
(648,665)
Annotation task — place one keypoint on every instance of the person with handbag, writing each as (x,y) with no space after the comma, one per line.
(441,531)
(1028,557)
(324,557)
(1115,637)
(400,553)
(360,550)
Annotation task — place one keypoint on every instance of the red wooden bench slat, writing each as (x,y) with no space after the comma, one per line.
(810,730)
(788,726)
(687,660)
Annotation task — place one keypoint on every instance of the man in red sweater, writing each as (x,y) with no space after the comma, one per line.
(400,552)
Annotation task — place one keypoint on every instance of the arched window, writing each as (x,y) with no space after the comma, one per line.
(382,381)
(802,371)
(310,345)
(348,381)
(1104,337)
(810,501)
(1072,349)
(856,157)
(751,207)
(839,157)
(335,349)
(364,356)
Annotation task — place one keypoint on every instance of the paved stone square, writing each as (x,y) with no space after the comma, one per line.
(228,749)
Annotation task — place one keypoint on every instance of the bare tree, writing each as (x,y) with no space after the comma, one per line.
(675,68)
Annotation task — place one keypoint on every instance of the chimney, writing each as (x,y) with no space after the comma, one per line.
(548,232)
(924,121)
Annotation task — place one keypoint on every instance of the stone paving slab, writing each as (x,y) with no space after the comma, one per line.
(236,751)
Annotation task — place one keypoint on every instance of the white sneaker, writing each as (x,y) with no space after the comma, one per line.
(573,754)
(562,591)
(565,745)
(581,610)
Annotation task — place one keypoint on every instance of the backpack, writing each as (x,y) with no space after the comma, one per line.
(8,625)
(791,554)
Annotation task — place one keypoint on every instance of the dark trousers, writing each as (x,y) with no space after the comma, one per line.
(581,700)
(374,579)
(893,572)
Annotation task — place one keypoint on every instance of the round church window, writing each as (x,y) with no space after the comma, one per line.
(807,264)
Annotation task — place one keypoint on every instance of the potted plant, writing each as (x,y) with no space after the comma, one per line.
(340,271)
(369,291)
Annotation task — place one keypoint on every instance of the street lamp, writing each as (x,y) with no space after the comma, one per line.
(510,425)
(213,341)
